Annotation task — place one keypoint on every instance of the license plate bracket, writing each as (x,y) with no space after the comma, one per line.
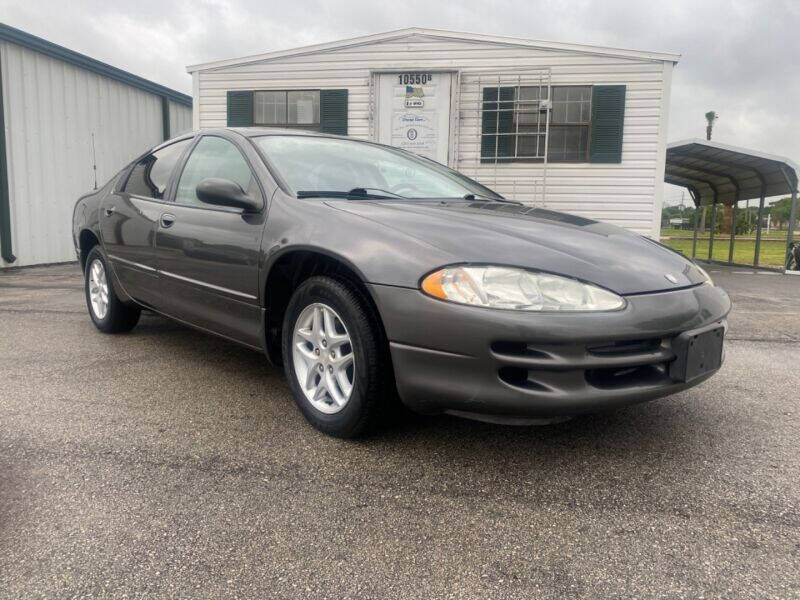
(697,353)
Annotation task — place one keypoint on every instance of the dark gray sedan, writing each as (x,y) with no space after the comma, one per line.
(371,273)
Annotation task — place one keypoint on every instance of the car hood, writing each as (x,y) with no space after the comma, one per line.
(535,238)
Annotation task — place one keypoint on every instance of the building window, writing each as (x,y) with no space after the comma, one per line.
(570,120)
(515,123)
(285,108)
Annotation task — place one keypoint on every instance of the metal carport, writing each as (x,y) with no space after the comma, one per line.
(716,173)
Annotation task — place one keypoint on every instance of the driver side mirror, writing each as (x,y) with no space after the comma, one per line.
(224,192)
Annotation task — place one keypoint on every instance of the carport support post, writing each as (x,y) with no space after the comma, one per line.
(713,226)
(733,226)
(758,226)
(697,198)
(792,220)
(792,210)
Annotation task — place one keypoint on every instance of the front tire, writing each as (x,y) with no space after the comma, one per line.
(336,358)
(108,313)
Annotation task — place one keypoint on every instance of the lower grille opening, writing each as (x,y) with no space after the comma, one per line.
(615,378)
(625,347)
(517,349)
(520,378)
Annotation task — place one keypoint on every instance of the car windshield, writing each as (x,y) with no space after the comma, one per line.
(317,164)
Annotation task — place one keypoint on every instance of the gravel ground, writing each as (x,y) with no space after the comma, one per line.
(166,463)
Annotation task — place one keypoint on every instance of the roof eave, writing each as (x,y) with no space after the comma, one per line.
(399,33)
(37,44)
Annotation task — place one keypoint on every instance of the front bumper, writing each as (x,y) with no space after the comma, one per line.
(505,364)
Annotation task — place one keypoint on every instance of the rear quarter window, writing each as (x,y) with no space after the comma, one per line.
(150,177)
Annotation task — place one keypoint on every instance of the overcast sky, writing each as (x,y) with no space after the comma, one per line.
(739,58)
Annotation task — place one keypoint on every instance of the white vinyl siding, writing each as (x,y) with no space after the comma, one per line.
(626,194)
(52,110)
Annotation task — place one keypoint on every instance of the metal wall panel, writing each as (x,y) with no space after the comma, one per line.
(54,113)
(628,194)
(180,119)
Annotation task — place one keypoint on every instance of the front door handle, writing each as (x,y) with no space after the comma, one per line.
(167,220)
(109,210)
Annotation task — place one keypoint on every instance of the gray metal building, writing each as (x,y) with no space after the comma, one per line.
(67,121)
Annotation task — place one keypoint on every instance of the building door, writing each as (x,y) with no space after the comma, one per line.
(414,112)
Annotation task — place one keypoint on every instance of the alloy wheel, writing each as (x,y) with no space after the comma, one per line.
(322,355)
(98,289)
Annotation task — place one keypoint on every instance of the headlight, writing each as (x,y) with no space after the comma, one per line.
(517,289)
(709,281)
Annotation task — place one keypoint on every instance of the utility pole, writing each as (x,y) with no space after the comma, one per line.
(711,116)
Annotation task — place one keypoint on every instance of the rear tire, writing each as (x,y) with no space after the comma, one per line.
(108,313)
(329,323)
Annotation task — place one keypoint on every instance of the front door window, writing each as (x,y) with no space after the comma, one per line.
(213,157)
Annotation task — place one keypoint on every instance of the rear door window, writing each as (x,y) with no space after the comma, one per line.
(150,177)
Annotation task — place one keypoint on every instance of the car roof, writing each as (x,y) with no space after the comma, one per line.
(251,132)
(261,131)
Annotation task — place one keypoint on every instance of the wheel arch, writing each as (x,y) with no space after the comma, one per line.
(286,270)
(87,239)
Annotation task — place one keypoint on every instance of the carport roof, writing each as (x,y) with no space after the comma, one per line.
(713,171)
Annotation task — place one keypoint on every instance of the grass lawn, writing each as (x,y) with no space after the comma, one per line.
(773,252)
(772,235)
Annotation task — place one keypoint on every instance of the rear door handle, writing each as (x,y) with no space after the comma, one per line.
(109,210)
(167,220)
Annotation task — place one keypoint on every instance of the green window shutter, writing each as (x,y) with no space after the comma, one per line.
(333,111)
(608,116)
(497,118)
(240,108)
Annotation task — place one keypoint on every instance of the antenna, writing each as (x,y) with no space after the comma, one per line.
(94,162)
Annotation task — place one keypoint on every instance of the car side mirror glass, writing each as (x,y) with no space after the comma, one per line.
(224,192)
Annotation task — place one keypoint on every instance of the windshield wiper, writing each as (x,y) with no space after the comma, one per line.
(357,193)
(472,196)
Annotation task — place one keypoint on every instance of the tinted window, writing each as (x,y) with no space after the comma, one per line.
(150,176)
(212,157)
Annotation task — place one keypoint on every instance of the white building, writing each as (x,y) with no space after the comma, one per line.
(63,114)
(488,106)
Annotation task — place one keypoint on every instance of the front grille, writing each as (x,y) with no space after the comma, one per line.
(518,349)
(626,347)
(552,368)
(520,378)
(643,375)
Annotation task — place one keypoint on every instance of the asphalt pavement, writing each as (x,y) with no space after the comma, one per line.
(167,463)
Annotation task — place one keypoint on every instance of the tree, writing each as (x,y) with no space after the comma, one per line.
(780,209)
(744,225)
(711,116)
